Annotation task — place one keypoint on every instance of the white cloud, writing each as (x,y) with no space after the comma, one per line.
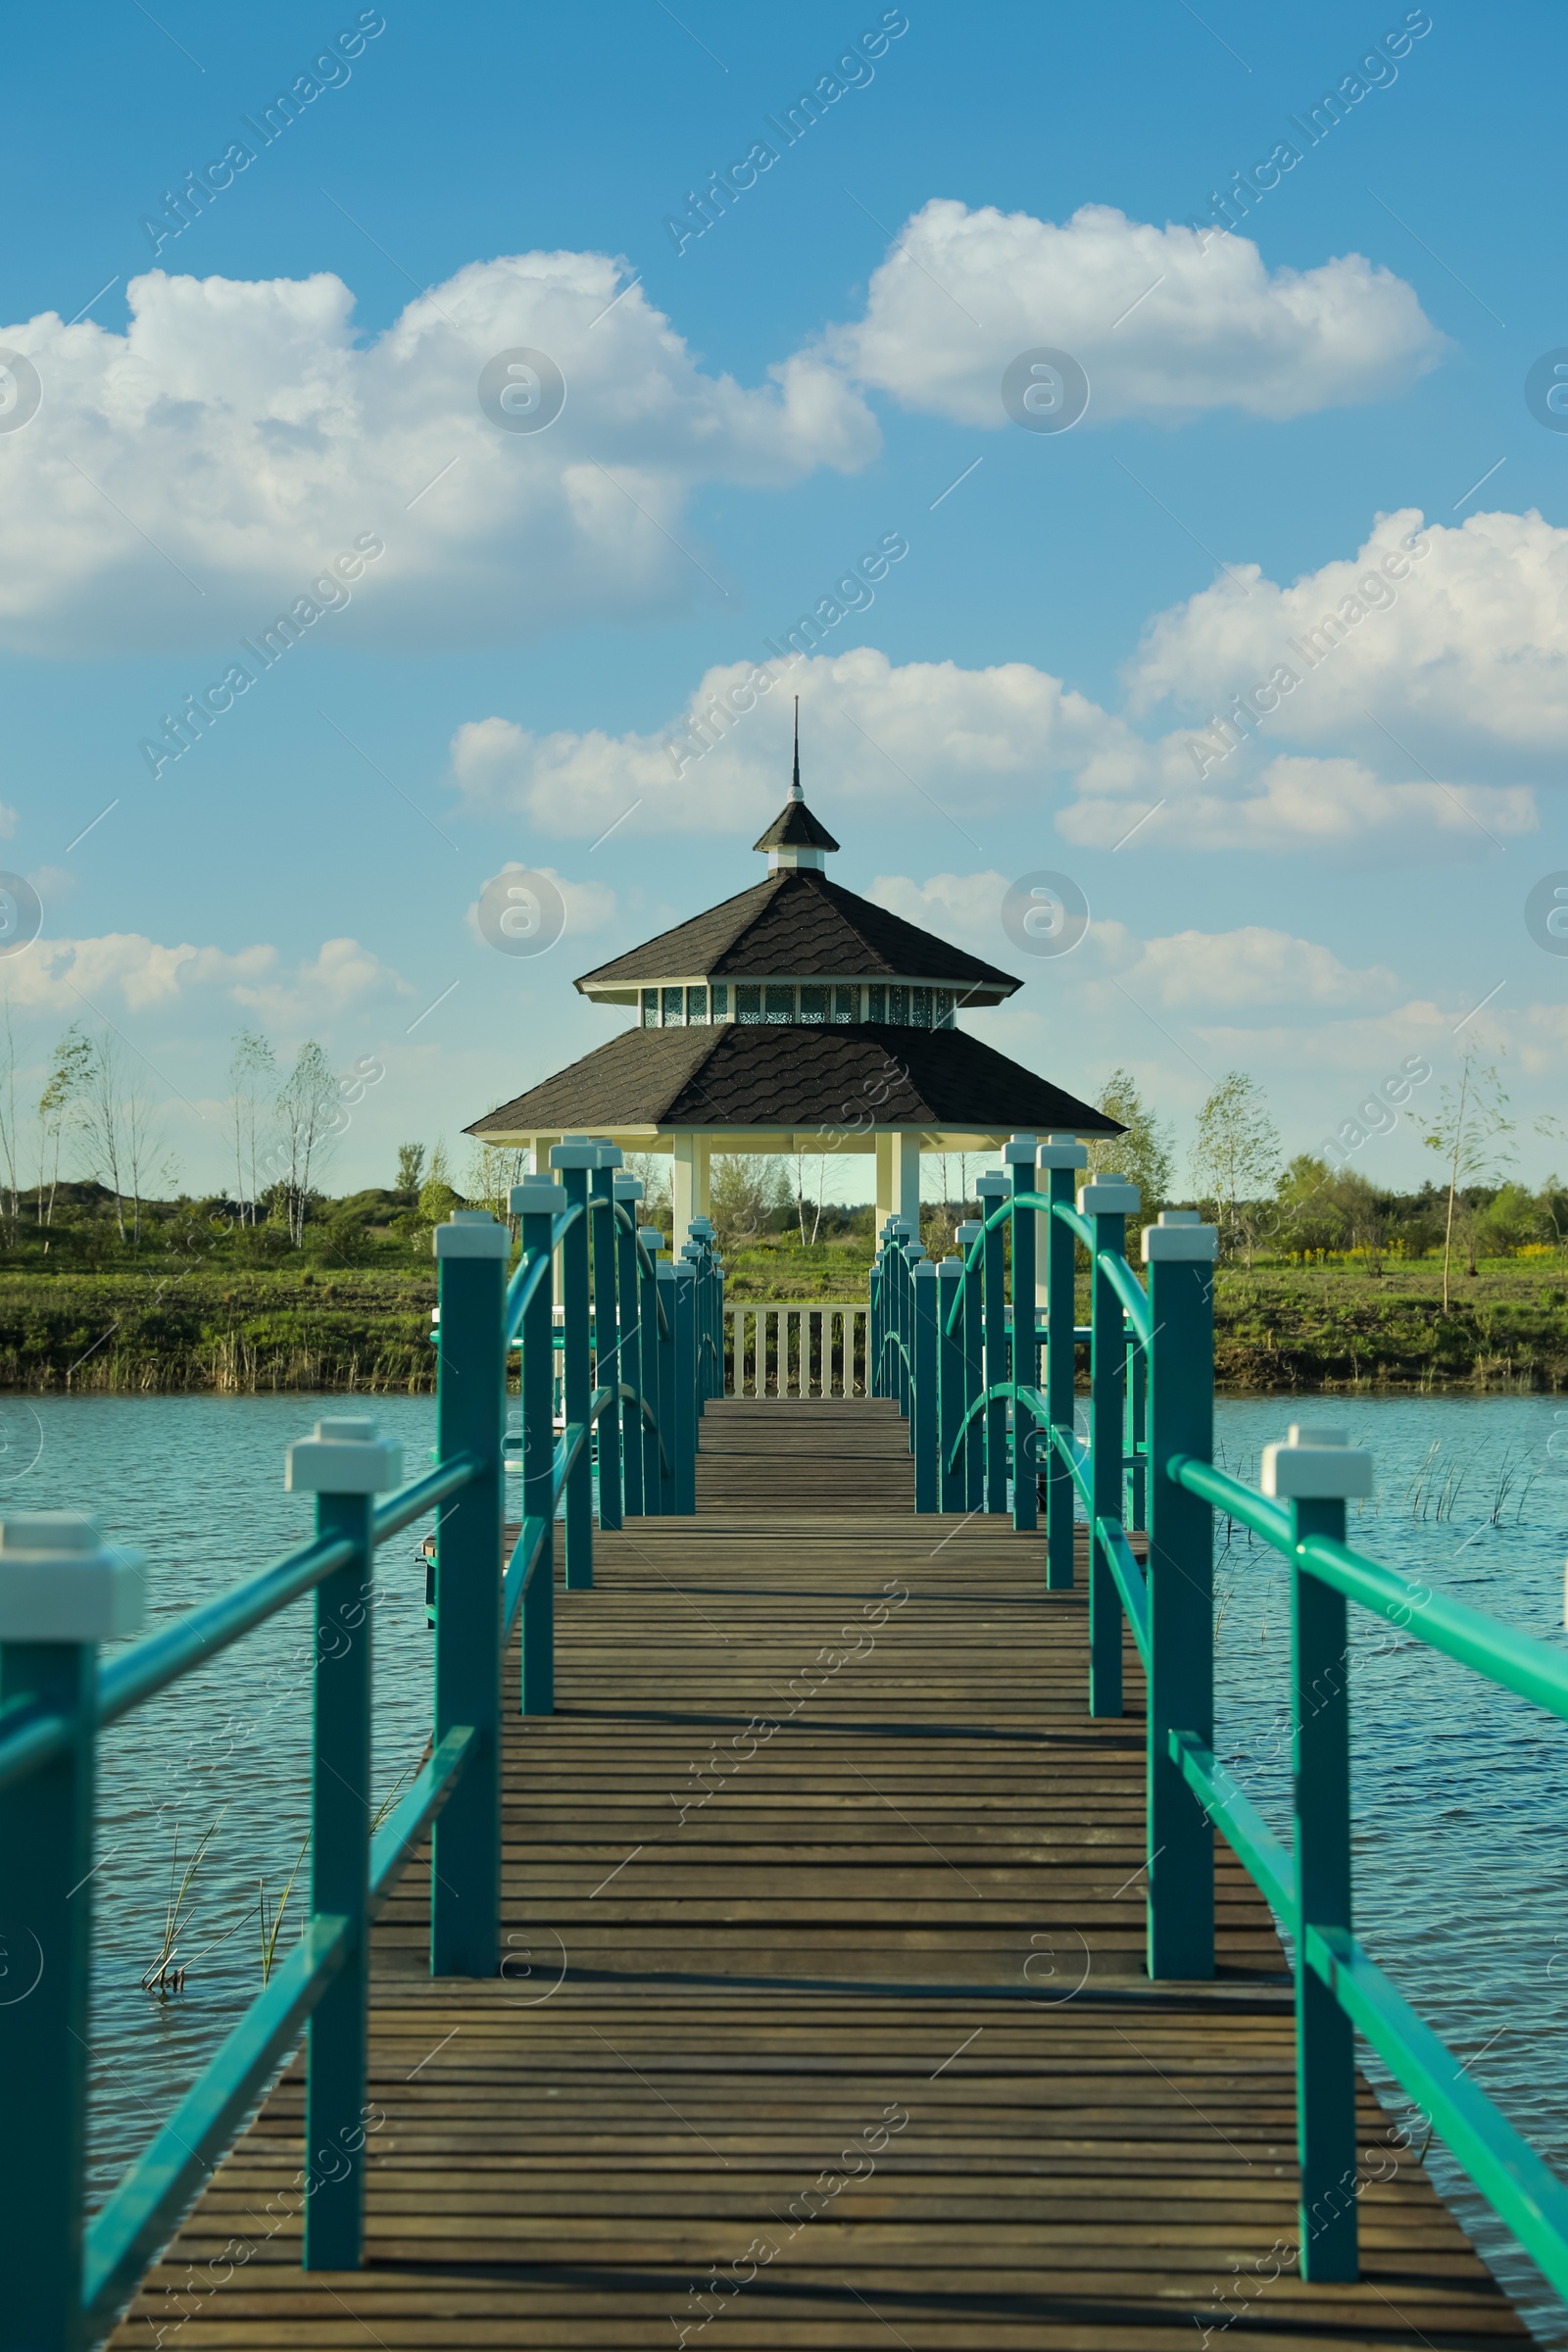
(589,906)
(1182,972)
(928,736)
(187,478)
(1466,652)
(934,739)
(1334,806)
(1162,328)
(75,977)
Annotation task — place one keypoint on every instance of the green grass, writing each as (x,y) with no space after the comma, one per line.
(312,1326)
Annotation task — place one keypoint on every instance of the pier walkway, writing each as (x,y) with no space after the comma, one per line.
(823,2020)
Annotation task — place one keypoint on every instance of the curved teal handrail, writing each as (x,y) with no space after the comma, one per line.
(1130,1291)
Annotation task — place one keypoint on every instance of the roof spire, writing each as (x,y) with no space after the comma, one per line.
(796,794)
(794,837)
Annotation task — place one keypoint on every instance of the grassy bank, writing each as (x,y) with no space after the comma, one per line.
(241,1332)
(1276,1327)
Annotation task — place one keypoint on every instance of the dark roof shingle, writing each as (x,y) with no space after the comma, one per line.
(792,1077)
(798,924)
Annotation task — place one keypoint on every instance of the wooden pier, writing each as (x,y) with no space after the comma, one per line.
(823,2020)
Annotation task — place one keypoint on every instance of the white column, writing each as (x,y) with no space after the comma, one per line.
(701,1147)
(682,1190)
(907,1180)
(884,1181)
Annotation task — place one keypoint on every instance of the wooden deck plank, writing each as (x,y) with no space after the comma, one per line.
(786,1904)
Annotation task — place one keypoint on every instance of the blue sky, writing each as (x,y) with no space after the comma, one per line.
(1282,412)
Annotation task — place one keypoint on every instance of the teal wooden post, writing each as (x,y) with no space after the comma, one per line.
(708,1336)
(873,1327)
(913,1256)
(343,1467)
(627,1192)
(472,1251)
(1019,1156)
(655,1502)
(682,1303)
(1137,1430)
(1107,1204)
(1314,1473)
(974,1371)
(949,1387)
(668,1346)
(61,1591)
(607,1333)
(993,1188)
(1179,1252)
(537,1202)
(572,1160)
(924,1435)
(1060,1155)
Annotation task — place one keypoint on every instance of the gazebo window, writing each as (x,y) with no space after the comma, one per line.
(650,1009)
(899,1007)
(876,1004)
(672,1012)
(814,1004)
(779,1001)
(748,1003)
(945,1014)
(920,1008)
(846,1003)
(721,999)
(696,1006)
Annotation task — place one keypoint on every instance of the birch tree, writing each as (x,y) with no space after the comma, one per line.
(307,1107)
(1236,1155)
(1468,1132)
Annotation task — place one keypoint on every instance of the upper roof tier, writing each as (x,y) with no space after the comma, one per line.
(796,925)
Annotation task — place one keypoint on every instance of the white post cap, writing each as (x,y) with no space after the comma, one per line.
(61,1582)
(1181,1234)
(970,1230)
(1020,1152)
(1062,1152)
(610,1155)
(991,1184)
(915,1253)
(1110,1197)
(471,1232)
(926,1265)
(344,1457)
(628,1188)
(1315,1463)
(950,1267)
(537,1197)
(575,1153)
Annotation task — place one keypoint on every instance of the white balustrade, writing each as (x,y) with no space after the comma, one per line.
(813,1347)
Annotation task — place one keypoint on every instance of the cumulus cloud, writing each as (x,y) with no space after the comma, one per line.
(589,906)
(928,739)
(73,975)
(1338,807)
(1455,639)
(185,480)
(926,736)
(1164,328)
(1185,972)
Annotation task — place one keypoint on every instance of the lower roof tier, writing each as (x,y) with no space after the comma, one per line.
(738,1084)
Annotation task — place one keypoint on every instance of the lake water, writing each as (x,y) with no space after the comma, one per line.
(1460,1792)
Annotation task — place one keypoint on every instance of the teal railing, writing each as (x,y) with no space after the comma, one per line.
(639,1347)
(986,1434)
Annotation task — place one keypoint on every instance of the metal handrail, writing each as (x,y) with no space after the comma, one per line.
(1149,1445)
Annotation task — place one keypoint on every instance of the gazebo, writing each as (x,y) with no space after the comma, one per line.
(793,1017)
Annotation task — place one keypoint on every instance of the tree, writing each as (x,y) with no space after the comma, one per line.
(410,1168)
(1467,1132)
(1143,1155)
(802,1190)
(69,1065)
(1236,1156)
(252,1075)
(307,1107)
(102,1115)
(10,1131)
(745,1193)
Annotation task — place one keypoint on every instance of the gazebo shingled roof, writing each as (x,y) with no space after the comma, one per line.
(799,922)
(793,1081)
(795,1016)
